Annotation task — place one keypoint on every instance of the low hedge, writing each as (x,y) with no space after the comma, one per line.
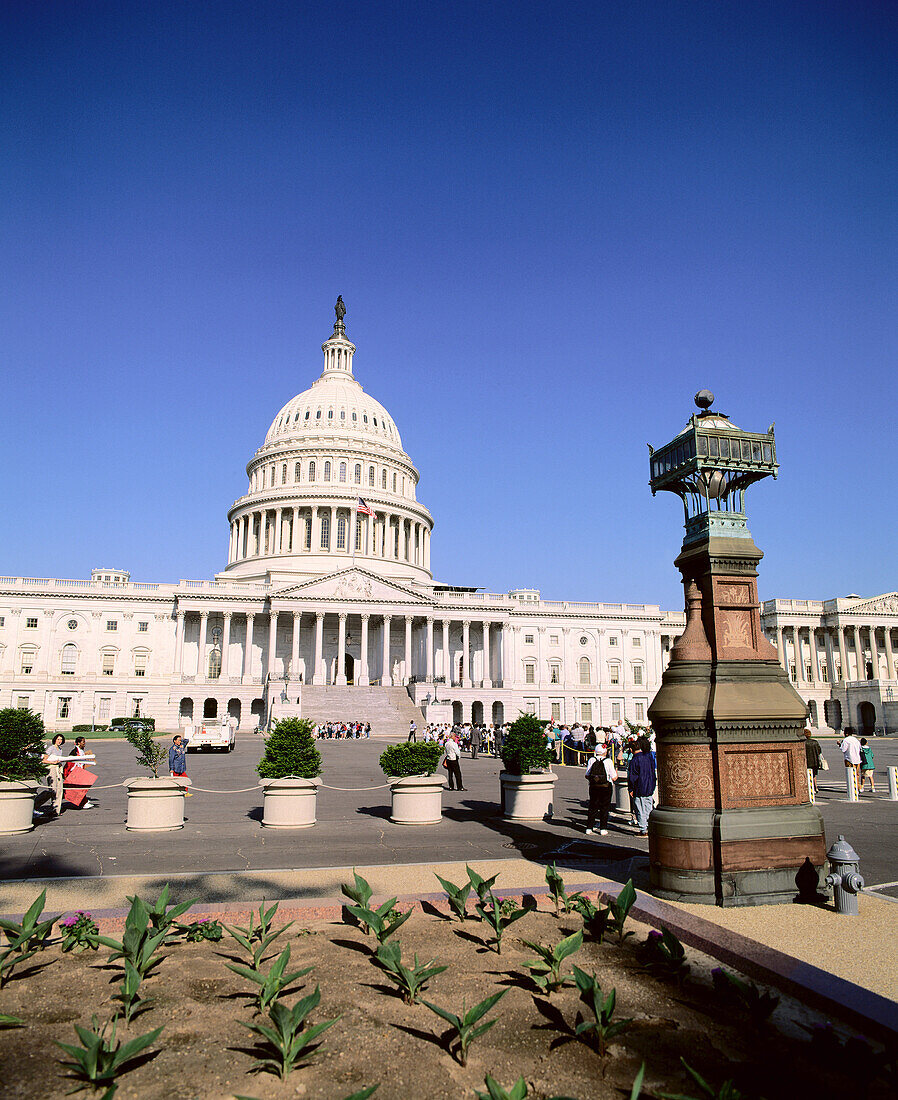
(89,729)
(417,758)
(127,723)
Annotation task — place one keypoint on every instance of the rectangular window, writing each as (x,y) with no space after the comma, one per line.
(21,702)
(586,713)
(529,674)
(325,532)
(530,706)
(637,641)
(140,664)
(640,712)
(136,708)
(395,542)
(308,539)
(612,640)
(553,639)
(383,479)
(65,702)
(556,712)
(554,674)
(358,533)
(614,674)
(615,712)
(637,675)
(824,675)
(528,639)
(31,622)
(371,476)
(112,625)
(809,673)
(108,664)
(27,662)
(2,620)
(142,628)
(792,675)
(103,711)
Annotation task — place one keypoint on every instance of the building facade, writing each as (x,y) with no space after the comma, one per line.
(328,585)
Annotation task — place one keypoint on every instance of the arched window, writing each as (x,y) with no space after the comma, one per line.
(341,533)
(311,471)
(27,660)
(394,483)
(355,418)
(637,674)
(318,415)
(284,474)
(325,532)
(330,414)
(383,479)
(297,471)
(308,541)
(613,672)
(357,474)
(263,477)
(359,522)
(69,660)
(342,472)
(529,672)
(215,664)
(342,414)
(585,672)
(371,476)
(140,662)
(554,673)
(327,471)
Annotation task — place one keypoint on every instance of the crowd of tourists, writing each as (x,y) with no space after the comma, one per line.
(341,731)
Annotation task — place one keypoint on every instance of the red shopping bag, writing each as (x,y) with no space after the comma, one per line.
(77,781)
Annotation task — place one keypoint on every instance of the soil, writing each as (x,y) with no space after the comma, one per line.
(204,1052)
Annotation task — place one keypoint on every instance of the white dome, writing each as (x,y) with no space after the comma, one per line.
(334,405)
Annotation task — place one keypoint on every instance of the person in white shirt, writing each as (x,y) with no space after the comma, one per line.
(851,750)
(453,767)
(600,775)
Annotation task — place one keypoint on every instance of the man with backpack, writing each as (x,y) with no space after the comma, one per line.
(600,775)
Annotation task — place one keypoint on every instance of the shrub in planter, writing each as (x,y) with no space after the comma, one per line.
(290,750)
(21,745)
(399,761)
(525,747)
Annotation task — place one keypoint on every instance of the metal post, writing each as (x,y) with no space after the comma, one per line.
(812,796)
(893,783)
(851,782)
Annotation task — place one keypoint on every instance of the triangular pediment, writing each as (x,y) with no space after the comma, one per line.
(358,585)
(884,605)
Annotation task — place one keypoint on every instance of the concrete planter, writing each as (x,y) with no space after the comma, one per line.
(17,806)
(417,799)
(155,805)
(527,797)
(289,803)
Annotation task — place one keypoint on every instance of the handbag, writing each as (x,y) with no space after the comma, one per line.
(823,764)
(446,764)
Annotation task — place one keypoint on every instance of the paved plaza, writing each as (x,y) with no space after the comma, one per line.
(223,833)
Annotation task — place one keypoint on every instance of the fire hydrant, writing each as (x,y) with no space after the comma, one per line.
(844,877)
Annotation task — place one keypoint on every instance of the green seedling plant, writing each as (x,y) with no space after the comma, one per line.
(287,1037)
(272,984)
(206,928)
(759,1004)
(600,1028)
(411,980)
(140,944)
(457,895)
(256,939)
(556,888)
(490,912)
(667,956)
(727,1090)
(381,922)
(79,932)
(364,1093)
(128,996)
(494,1091)
(22,941)
(619,910)
(546,970)
(7,1021)
(162,916)
(481,886)
(100,1060)
(595,917)
(360,892)
(467,1027)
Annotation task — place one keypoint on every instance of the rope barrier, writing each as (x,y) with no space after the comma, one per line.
(379,787)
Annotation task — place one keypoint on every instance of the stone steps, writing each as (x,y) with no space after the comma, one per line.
(388,709)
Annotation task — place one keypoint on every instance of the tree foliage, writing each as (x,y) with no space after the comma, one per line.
(416,758)
(525,746)
(290,750)
(21,745)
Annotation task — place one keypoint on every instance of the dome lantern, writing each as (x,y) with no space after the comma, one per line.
(338,351)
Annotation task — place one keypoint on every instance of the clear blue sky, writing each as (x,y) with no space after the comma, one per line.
(551,225)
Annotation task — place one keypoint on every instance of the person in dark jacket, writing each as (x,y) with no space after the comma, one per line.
(641,781)
(814,754)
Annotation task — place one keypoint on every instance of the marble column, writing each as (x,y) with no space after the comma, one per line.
(447,671)
(294,648)
(845,671)
(487,672)
(861,673)
(201,647)
(408,648)
(830,663)
(781,646)
(466,654)
(294,531)
(319,645)
(363,662)
(278,530)
(272,643)
(799,670)
(179,645)
(248,648)
(812,649)
(340,678)
(429,653)
(890,657)
(385,669)
(874,653)
(226,646)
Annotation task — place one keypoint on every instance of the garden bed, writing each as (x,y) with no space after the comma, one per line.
(204,1051)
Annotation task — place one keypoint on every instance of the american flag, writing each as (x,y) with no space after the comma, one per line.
(363,508)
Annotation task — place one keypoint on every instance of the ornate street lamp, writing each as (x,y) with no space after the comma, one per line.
(734,824)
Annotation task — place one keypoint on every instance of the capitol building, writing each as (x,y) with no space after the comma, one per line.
(327,608)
